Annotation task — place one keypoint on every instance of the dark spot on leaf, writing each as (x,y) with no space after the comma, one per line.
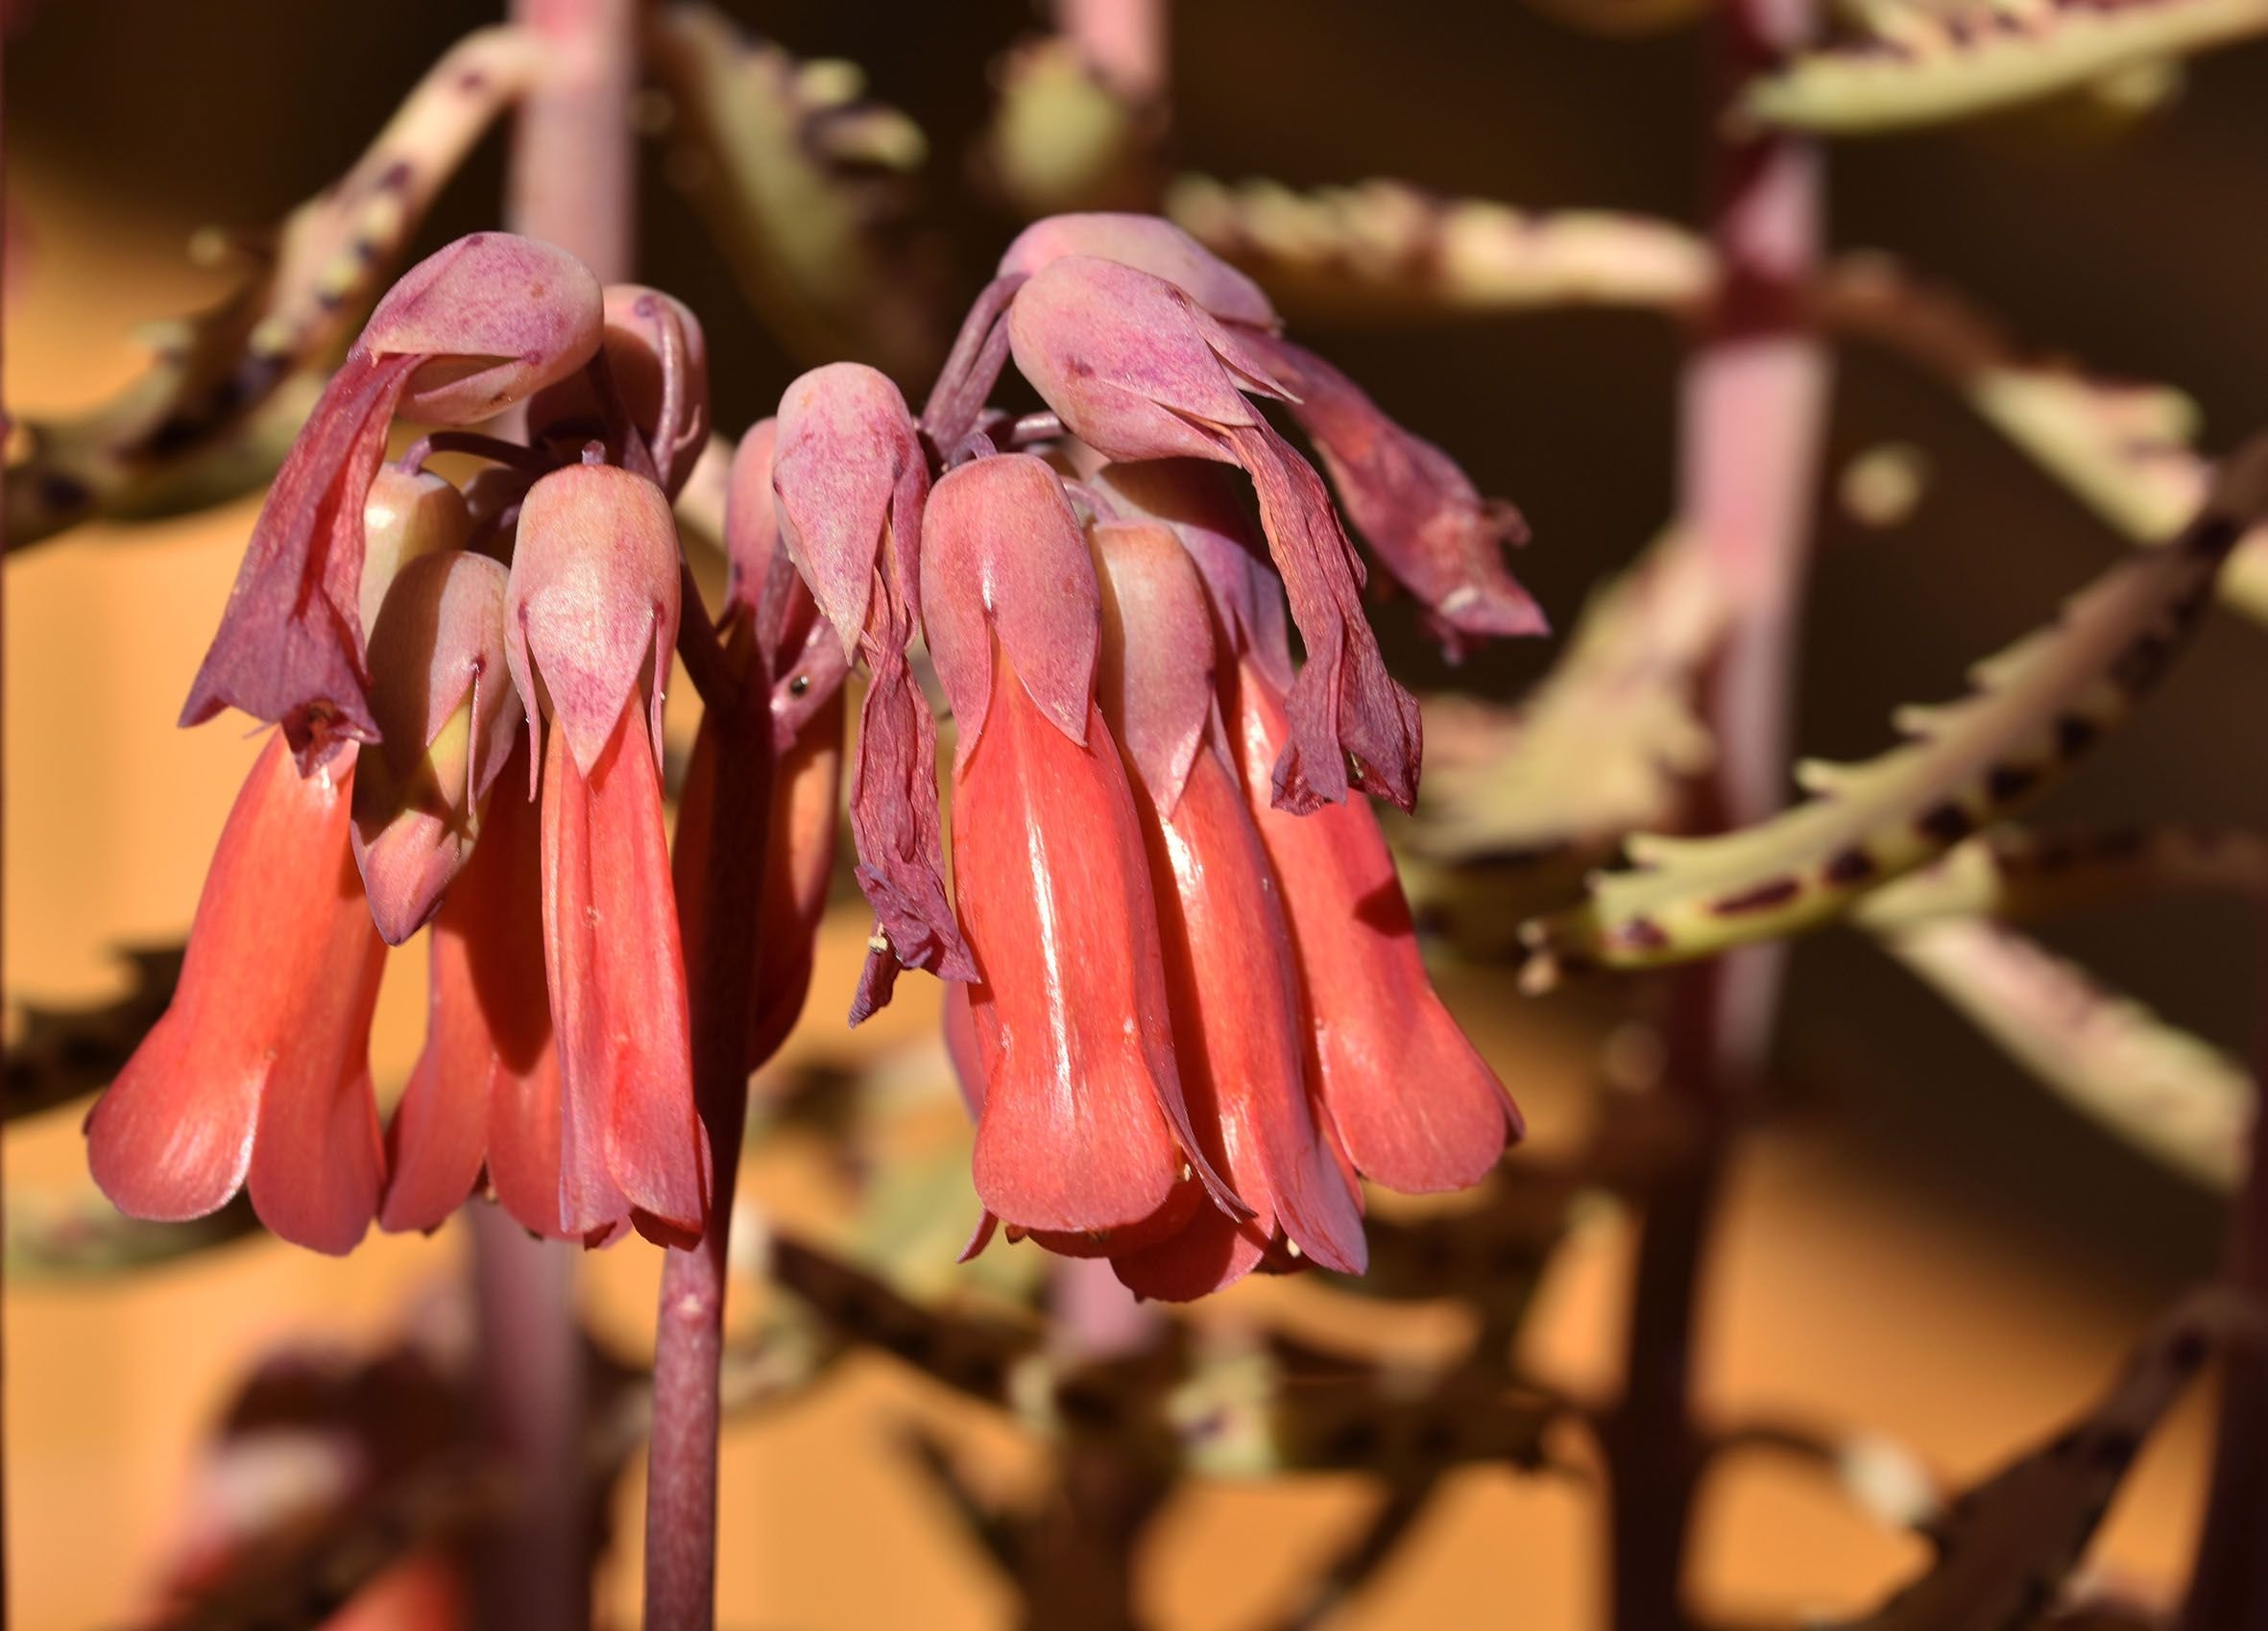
(1849,867)
(2009,781)
(1772,891)
(2074,735)
(1946,823)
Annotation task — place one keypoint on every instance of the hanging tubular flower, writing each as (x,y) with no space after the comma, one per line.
(258,1075)
(449,715)
(772,620)
(849,480)
(591,611)
(1136,369)
(1420,513)
(468,331)
(1414,1104)
(1241,1030)
(658,359)
(1084,1140)
(485,1091)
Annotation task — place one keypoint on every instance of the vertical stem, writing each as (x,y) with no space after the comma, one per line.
(1753,405)
(688,1329)
(574,152)
(2228,1585)
(3,858)
(570,184)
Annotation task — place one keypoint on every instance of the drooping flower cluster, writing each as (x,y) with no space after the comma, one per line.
(1194,1012)
(1184,991)
(431,659)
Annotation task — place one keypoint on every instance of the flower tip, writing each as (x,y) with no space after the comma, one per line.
(497,316)
(1147,242)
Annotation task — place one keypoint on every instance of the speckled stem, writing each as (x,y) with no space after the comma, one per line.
(1755,402)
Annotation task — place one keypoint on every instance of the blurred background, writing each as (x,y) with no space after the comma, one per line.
(1921,1241)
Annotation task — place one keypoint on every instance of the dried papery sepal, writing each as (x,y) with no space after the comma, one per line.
(447,714)
(593,603)
(2159,1089)
(1138,371)
(2007,1545)
(1063,137)
(2038,706)
(1385,250)
(470,329)
(656,364)
(806,183)
(1602,745)
(216,373)
(2022,56)
(2018,874)
(1421,516)
(2125,449)
(849,480)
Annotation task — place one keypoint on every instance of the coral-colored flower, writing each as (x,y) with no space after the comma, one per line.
(258,1075)
(1084,1140)
(485,1091)
(466,332)
(593,608)
(1241,1030)
(1414,1105)
(851,479)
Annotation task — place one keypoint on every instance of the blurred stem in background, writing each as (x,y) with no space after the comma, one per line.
(3,834)
(1753,407)
(2230,1586)
(571,182)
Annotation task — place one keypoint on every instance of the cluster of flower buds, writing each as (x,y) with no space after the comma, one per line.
(1187,1004)
(1183,996)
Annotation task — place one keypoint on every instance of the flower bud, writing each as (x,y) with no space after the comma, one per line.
(406,515)
(1151,244)
(495,316)
(448,714)
(659,361)
(592,603)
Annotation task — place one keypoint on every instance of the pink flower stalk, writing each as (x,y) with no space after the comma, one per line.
(771,620)
(592,616)
(851,480)
(1084,1140)
(657,363)
(485,1093)
(258,1075)
(1240,1028)
(466,332)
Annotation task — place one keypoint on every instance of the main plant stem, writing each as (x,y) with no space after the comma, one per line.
(1755,402)
(2229,1584)
(689,1330)
(570,184)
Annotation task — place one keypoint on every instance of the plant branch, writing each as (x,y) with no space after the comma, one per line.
(570,184)
(1754,397)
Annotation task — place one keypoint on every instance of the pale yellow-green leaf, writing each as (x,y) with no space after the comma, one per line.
(2157,1087)
(212,414)
(1383,249)
(1600,747)
(1934,68)
(805,183)
(2039,704)
(2018,875)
